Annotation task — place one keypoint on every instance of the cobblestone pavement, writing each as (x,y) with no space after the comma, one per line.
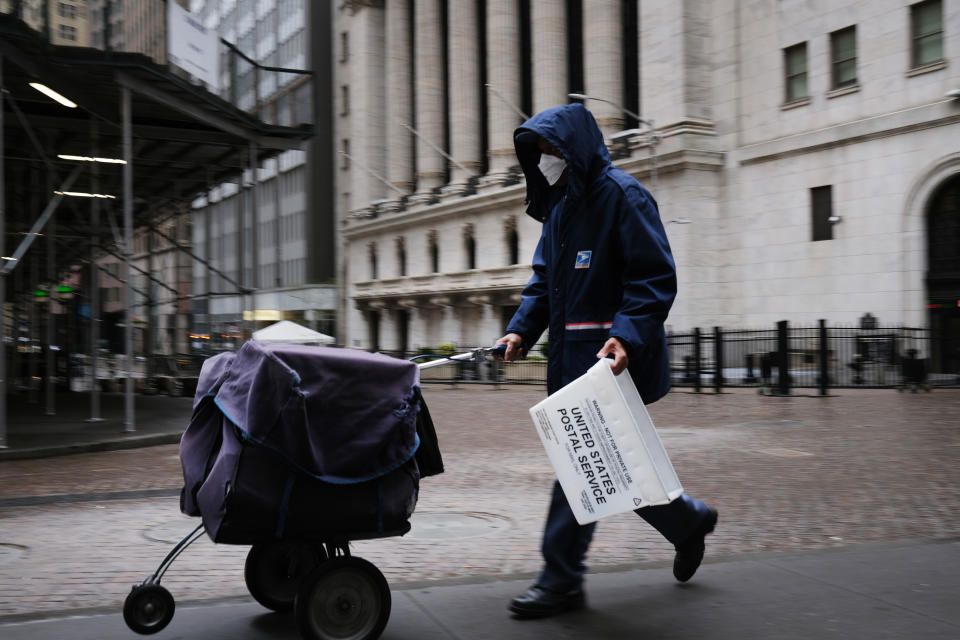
(787,474)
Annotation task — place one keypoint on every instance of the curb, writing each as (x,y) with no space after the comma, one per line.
(131,442)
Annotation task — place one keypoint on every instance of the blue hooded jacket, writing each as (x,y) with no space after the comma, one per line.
(603,266)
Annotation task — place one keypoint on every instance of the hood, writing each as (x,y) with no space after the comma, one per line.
(571,129)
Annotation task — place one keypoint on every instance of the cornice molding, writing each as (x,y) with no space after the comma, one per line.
(454,207)
(937,114)
(353,6)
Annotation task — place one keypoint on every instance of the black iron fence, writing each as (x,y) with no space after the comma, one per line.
(774,360)
(804,357)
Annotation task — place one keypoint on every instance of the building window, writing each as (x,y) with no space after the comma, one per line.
(513,241)
(345,147)
(344,46)
(401,257)
(469,248)
(373,330)
(821,206)
(434,251)
(372,252)
(344,100)
(926,25)
(795,65)
(65,10)
(843,55)
(67,32)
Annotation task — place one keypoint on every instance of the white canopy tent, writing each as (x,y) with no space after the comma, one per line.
(291,333)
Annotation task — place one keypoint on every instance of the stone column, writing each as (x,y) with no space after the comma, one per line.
(464,84)
(388,326)
(445,329)
(676,67)
(399,104)
(432,318)
(430,114)
(503,74)
(419,335)
(549,53)
(603,63)
(484,327)
(367,110)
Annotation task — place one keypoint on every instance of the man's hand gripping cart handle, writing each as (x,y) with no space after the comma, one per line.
(477,355)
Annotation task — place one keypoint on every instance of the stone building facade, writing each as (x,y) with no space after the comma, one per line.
(800,151)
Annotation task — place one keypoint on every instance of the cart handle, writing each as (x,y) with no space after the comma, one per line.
(477,355)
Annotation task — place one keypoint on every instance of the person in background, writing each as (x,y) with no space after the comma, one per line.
(603,281)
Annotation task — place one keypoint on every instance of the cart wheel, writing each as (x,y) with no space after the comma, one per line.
(148,608)
(273,571)
(345,598)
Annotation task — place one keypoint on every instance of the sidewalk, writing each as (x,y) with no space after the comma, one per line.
(31,433)
(868,592)
(837,514)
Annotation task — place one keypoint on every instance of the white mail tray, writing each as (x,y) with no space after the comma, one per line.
(603,446)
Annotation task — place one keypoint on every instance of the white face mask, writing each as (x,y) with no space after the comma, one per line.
(551,167)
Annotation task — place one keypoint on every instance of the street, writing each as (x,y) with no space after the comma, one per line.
(799,474)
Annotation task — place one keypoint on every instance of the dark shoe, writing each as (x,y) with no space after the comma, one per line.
(690,553)
(538,602)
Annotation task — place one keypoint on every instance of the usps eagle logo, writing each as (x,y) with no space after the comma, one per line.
(583,259)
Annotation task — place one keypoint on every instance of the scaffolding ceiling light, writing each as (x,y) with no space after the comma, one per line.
(83,194)
(65,156)
(53,95)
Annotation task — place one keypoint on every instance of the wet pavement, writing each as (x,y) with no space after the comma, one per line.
(801,474)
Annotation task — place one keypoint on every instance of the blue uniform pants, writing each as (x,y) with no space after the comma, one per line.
(565,541)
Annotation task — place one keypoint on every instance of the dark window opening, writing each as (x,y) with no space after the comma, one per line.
(66,10)
(631,62)
(445,81)
(926,27)
(484,95)
(795,67)
(344,100)
(821,201)
(843,54)
(373,329)
(434,251)
(344,46)
(469,249)
(943,233)
(575,46)
(412,56)
(526,62)
(373,261)
(943,276)
(513,243)
(401,257)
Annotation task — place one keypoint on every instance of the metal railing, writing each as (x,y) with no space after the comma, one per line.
(817,357)
(528,371)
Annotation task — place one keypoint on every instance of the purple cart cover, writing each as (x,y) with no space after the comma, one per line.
(203,436)
(211,375)
(340,415)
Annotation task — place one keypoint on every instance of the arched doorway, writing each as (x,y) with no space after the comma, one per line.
(943,275)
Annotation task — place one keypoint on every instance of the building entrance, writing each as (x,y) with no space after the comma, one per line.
(943,276)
